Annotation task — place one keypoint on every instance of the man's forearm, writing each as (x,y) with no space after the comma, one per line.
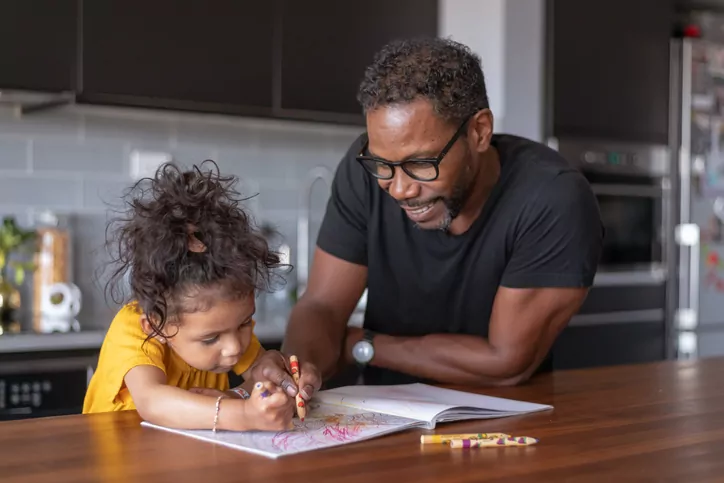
(313,335)
(452,359)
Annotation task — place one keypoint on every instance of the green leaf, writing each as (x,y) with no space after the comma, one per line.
(19,276)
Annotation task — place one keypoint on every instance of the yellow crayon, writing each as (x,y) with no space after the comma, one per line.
(446,438)
(493,443)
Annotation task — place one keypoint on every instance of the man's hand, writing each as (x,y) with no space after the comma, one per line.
(273,366)
(310,380)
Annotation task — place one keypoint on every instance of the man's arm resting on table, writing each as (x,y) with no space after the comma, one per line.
(523,326)
(318,322)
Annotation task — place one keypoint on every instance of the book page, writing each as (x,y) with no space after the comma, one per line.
(391,403)
(425,402)
(324,427)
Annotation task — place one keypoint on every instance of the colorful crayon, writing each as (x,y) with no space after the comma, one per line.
(446,438)
(301,408)
(493,443)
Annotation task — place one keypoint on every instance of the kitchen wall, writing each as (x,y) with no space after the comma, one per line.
(76,160)
(508,35)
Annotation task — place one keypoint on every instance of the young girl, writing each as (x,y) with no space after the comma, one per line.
(194,263)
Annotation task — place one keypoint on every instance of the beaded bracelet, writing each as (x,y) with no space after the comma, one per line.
(243,394)
(216,416)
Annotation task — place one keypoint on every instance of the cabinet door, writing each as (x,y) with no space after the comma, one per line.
(327,45)
(609,344)
(610,69)
(38,44)
(210,55)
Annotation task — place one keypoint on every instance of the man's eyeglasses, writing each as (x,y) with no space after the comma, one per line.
(420,169)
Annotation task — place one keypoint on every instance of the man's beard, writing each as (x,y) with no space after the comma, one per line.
(455,203)
(462,189)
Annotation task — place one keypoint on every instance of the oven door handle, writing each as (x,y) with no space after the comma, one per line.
(627,190)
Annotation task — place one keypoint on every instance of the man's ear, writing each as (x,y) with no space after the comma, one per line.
(481,130)
(146,326)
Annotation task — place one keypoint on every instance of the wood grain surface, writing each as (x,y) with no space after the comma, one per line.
(652,422)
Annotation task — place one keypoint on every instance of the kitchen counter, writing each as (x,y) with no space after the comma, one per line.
(267,332)
(648,422)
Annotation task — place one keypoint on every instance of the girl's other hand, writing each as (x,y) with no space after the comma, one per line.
(269,408)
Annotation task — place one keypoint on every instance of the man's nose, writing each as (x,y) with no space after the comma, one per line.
(402,187)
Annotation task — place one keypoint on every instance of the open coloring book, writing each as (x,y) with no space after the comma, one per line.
(355,413)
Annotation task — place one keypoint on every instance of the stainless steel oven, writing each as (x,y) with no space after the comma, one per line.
(632,186)
(623,319)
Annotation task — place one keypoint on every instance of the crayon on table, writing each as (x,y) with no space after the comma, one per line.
(493,443)
(301,408)
(446,438)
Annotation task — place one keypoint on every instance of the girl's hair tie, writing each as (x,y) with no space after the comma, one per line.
(196,244)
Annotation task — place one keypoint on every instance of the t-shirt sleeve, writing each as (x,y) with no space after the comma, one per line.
(124,347)
(128,345)
(248,358)
(344,229)
(559,237)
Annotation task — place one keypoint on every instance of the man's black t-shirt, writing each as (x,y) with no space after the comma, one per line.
(539,228)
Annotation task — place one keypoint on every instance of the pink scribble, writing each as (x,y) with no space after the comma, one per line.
(337,428)
(341,433)
(281,440)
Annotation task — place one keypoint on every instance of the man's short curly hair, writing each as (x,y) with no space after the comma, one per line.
(443,71)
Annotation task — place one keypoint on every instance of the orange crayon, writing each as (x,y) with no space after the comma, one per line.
(301,408)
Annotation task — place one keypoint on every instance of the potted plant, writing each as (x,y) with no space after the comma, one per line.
(16,246)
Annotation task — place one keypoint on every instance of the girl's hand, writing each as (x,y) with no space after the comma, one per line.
(269,408)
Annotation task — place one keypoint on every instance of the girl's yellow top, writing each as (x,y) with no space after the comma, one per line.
(124,348)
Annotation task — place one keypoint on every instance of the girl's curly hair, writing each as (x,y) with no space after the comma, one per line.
(149,244)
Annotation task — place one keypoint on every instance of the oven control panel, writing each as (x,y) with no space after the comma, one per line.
(613,158)
(618,158)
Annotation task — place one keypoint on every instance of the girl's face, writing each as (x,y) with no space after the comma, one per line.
(215,339)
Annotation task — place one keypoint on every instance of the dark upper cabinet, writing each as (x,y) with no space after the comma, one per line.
(38,44)
(326,46)
(215,55)
(609,69)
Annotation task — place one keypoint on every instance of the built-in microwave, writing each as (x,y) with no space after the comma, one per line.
(632,187)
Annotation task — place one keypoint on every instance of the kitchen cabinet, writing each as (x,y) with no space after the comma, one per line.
(607,344)
(277,58)
(326,46)
(617,324)
(38,45)
(608,69)
(215,55)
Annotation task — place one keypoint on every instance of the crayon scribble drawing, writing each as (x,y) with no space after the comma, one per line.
(323,427)
(320,430)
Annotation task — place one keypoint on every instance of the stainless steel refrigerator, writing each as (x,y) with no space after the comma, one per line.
(695,312)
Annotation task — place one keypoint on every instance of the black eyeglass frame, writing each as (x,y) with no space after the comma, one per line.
(434,162)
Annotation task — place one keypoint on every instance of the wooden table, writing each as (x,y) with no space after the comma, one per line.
(662,422)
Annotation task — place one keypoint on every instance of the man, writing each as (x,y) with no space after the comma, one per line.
(476,248)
